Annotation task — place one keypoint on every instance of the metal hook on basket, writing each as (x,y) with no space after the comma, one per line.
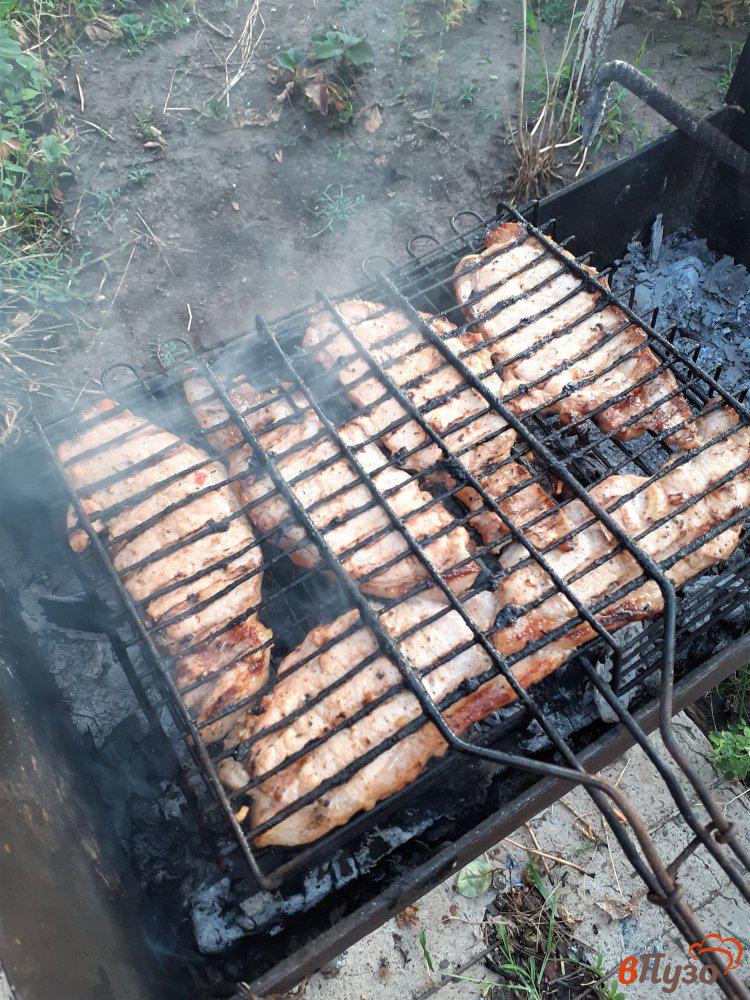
(123,366)
(420,236)
(171,352)
(454,221)
(376,256)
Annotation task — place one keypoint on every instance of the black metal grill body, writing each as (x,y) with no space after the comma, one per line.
(422,285)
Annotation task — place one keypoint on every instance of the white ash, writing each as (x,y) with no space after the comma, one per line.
(218,921)
(85,668)
(605,666)
(706,295)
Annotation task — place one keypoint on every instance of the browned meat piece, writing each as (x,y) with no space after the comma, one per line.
(475,433)
(217,631)
(532,336)
(657,499)
(311,672)
(339,503)
(299,684)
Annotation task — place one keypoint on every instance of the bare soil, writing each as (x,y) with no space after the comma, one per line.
(218,222)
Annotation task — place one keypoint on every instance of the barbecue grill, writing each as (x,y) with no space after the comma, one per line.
(523,756)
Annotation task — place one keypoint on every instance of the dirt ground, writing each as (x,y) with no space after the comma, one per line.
(216,220)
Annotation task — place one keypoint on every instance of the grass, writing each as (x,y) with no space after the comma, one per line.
(532,948)
(35,269)
(335,207)
(549,113)
(165,19)
(468,94)
(555,12)
(731,743)
(727,72)
(406,36)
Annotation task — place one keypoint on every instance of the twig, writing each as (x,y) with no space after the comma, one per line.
(247,43)
(535,842)
(169,92)
(160,244)
(99,128)
(80,93)
(550,857)
(614,870)
(212,26)
(117,292)
(432,128)
(464,967)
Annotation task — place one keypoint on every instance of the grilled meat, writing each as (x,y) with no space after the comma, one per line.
(340,504)
(311,669)
(653,517)
(475,433)
(207,624)
(546,319)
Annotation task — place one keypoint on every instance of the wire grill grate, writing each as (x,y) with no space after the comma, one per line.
(566,461)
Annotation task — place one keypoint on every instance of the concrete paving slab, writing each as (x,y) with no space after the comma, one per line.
(605,899)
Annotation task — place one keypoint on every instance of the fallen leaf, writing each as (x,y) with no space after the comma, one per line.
(476,878)
(257,120)
(8,147)
(103,29)
(278,155)
(373,118)
(153,144)
(285,92)
(316,90)
(235,206)
(407,917)
(618,909)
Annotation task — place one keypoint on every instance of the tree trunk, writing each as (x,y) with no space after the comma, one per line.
(597,24)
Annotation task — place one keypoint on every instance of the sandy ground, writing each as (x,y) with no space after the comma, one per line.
(603,897)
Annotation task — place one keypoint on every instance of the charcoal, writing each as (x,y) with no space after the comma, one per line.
(706,295)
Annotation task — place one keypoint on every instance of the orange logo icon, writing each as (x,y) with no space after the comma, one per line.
(729,947)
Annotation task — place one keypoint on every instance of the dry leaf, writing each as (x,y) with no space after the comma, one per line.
(235,206)
(316,90)
(103,29)
(407,917)
(285,92)
(8,147)
(256,120)
(373,118)
(278,155)
(153,144)
(618,909)
(20,320)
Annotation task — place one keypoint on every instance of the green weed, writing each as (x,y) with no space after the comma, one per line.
(338,149)
(487,114)
(727,72)
(406,37)
(731,748)
(555,12)
(166,19)
(468,94)
(138,174)
(351,50)
(335,207)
